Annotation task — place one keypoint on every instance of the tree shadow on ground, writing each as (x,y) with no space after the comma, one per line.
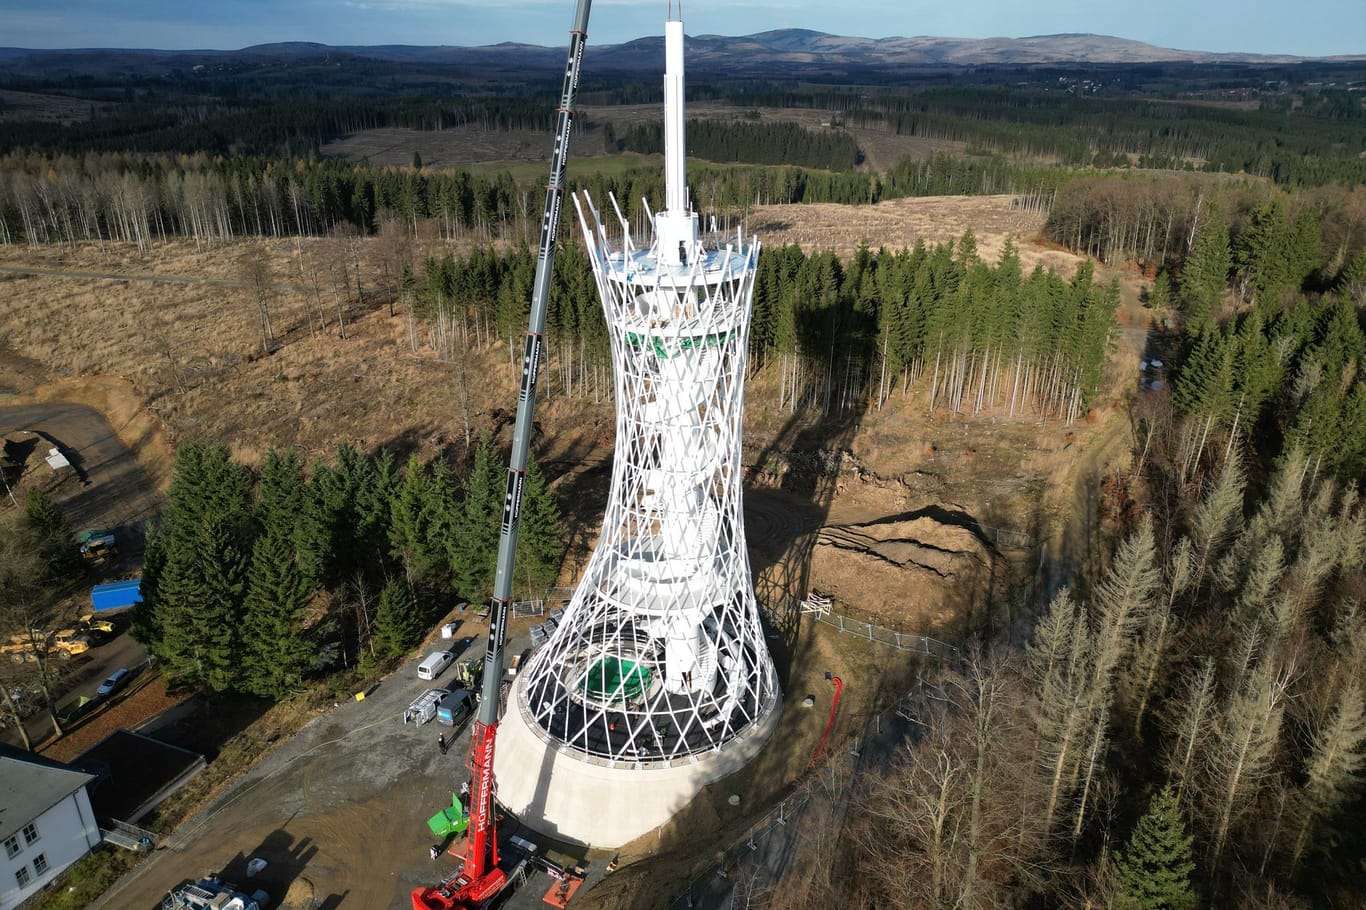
(206,723)
(782,525)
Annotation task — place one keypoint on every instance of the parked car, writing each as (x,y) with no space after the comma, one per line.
(115,682)
(434,664)
(455,708)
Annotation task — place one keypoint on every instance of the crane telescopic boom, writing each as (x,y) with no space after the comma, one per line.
(481,878)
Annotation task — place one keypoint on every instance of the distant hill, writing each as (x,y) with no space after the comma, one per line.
(782,48)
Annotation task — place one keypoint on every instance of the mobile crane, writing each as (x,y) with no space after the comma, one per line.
(481,878)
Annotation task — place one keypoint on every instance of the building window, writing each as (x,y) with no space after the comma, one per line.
(21,876)
(12,846)
(40,864)
(30,832)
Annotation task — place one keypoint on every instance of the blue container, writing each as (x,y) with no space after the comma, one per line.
(117,595)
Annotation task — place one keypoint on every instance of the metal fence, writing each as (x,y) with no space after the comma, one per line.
(528,608)
(905,641)
(820,608)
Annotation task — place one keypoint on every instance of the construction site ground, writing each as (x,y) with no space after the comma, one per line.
(338,811)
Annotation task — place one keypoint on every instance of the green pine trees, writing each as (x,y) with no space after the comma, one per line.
(193,600)
(540,537)
(473,549)
(398,626)
(1204,276)
(1153,870)
(275,649)
(233,569)
(52,536)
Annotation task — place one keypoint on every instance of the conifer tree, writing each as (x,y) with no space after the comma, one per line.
(410,531)
(218,617)
(474,550)
(1123,602)
(1332,772)
(145,626)
(1205,274)
(397,624)
(193,600)
(313,537)
(540,537)
(52,535)
(275,651)
(1153,870)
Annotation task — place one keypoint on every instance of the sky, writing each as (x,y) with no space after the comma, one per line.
(1307,28)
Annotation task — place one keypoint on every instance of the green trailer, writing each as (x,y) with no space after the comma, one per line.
(450,821)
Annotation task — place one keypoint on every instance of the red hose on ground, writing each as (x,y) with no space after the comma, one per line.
(834,705)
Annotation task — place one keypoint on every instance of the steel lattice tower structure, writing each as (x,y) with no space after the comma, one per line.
(658,679)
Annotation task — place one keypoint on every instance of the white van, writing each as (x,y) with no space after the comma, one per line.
(434,664)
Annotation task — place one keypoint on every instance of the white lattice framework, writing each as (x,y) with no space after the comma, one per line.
(660,655)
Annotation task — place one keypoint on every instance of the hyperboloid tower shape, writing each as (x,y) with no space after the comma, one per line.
(657,680)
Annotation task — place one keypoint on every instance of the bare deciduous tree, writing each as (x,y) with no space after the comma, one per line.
(1331,772)
(254,268)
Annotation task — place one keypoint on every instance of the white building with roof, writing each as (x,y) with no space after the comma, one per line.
(46,822)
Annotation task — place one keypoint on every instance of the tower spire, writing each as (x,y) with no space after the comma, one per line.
(677,225)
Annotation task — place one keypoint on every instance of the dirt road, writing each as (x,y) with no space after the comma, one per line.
(111,491)
(115,490)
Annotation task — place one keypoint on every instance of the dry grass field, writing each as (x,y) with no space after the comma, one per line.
(190,356)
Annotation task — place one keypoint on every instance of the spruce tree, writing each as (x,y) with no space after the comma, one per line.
(275,650)
(410,533)
(474,549)
(314,537)
(218,618)
(1153,870)
(1205,274)
(1332,771)
(397,624)
(193,599)
(145,626)
(540,537)
(53,536)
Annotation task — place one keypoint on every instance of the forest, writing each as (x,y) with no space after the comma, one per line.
(1183,729)
(137,198)
(754,143)
(254,581)
(934,321)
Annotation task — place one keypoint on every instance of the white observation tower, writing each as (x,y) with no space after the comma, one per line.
(657,680)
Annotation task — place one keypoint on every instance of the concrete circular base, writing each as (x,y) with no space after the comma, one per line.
(600,803)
